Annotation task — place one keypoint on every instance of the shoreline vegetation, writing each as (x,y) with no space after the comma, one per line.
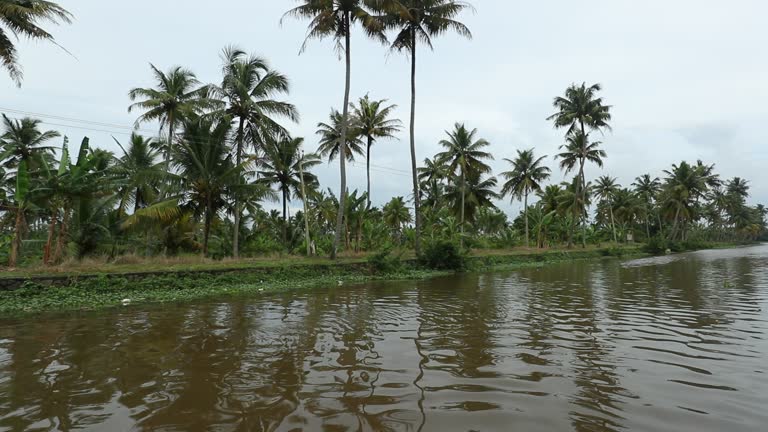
(94,286)
(217,173)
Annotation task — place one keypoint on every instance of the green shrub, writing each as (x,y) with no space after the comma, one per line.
(443,255)
(656,245)
(385,261)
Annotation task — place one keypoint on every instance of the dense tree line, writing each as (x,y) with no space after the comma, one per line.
(225,153)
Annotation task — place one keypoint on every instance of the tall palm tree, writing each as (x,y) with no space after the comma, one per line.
(573,204)
(330,135)
(605,189)
(249,87)
(372,121)
(421,21)
(526,177)
(648,190)
(177,97)
(333,19)
(21,18)
(576,152)
(22,140)
(684,185)
(280,166)
(464,157)
(580,110)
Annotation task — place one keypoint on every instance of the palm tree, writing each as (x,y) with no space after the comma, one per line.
(648,190)
(574,204)
(396,215)
(22,18)
(334,19)
(139,171)
(176,98)
(22,141)
(526,177)
(371,120)
(576,152)
(684,184)
(470,195)
(431,177)
(207,171)
(605,189)
(580,110)
(464,156)
(421,21)
(330,135)
(249,87)
(281,166)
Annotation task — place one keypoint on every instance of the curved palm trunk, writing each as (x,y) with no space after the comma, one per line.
(207,228)
(343,143)
(613,225)
(238,210)
(416,198)
(585,214)
(525,215)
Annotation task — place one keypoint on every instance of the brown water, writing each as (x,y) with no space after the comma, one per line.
(667,344)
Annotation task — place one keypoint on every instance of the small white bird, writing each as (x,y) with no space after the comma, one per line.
(126,302)
(340,283)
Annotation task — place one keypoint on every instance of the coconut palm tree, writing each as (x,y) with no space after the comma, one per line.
(464,157)
(333,19)
(207,172)
(22,140)
(605,190)
(572,204)
(431,177)
(372,121)
(140,172)
(647,189)
(280,166)
(177,97)
(576,152)
(330,135)
(396,215)
(21,18)
(420,21)
(470,194)
(581,111)
(526,176)
(249,87)
(684,185)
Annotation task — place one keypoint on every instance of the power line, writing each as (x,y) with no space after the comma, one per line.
(75,120)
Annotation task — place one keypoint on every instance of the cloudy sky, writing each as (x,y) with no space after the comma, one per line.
(687,78)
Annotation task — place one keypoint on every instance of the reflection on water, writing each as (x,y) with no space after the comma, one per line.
(672,343)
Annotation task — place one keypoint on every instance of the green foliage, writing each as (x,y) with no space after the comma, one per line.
(443,254)
(386,261)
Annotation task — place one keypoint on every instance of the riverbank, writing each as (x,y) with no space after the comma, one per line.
(77,290)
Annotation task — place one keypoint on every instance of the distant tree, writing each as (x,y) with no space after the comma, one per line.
(330,135)
(605,190)
(23,141)
(526,176)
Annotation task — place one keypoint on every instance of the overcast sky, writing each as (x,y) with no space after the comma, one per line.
(686,78)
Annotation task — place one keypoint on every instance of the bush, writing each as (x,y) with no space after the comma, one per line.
(385,261)
(443,255)
(656,245)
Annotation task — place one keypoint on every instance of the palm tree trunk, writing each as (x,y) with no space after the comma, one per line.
(583,216)
(461,239)
(613,225)
(49,241)
(525,215)
(207,228)
(17,237)
(416,198)
(368,169)
(673,233)
(60,239)
(238,211)
(343,141)
(285,220)
(304,202)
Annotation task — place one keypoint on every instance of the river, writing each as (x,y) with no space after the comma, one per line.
(675,343)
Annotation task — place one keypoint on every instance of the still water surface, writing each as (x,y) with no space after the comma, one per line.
(673,343)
